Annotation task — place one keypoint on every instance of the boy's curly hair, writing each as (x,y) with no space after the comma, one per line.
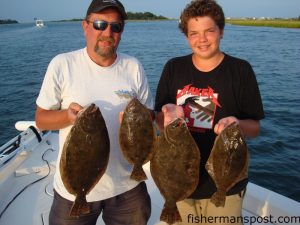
(200,8)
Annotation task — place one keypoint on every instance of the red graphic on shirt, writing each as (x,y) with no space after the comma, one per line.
(199,106)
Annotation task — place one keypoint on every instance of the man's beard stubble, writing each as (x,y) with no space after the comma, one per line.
(107,51)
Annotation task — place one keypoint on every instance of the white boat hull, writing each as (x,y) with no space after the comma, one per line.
(39,23)
(32,206)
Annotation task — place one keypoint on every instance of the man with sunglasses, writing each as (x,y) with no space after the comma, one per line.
(101,75)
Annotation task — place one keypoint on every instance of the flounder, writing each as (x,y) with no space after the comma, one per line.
(137,136)
(84,157)
(175,167)
(228,162)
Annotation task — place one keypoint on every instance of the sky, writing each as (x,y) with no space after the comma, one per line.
(27,10)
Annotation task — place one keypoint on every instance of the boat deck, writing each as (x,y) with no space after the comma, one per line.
(28,166)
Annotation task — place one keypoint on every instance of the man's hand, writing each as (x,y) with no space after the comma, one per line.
(72,112)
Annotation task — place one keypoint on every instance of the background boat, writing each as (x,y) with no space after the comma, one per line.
(39,23)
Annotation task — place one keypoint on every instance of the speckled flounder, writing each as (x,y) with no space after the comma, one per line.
(137,137)
(84,157)
(228,162)
(175,167)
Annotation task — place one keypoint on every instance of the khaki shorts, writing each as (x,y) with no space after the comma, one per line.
(202,211)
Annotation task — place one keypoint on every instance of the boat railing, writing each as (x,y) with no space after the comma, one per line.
(19,143)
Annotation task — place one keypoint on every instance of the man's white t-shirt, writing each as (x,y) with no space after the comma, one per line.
(74,77)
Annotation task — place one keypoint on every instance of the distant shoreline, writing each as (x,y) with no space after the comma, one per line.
(280,23)
(8,21)
(132,16)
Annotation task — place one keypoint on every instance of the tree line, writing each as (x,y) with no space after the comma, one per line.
(144,16)
(9,21)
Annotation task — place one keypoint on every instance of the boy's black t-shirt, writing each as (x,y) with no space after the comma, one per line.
(228,90)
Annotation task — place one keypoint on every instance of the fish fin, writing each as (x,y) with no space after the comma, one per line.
(138,173)
(80,206)
(170,215)
(218,198)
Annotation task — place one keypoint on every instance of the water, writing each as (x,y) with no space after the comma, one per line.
(274,53)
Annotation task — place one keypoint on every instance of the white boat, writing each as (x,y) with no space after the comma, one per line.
(27,165)
(39,23)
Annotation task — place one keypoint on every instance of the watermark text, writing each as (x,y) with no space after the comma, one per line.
(192,219)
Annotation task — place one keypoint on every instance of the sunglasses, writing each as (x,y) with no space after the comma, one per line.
(115,27)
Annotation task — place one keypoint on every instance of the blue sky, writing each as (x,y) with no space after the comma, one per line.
(25,11)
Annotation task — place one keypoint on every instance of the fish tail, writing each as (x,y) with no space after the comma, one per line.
(170,215)
(138,173)
(79,207)
(218,198)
